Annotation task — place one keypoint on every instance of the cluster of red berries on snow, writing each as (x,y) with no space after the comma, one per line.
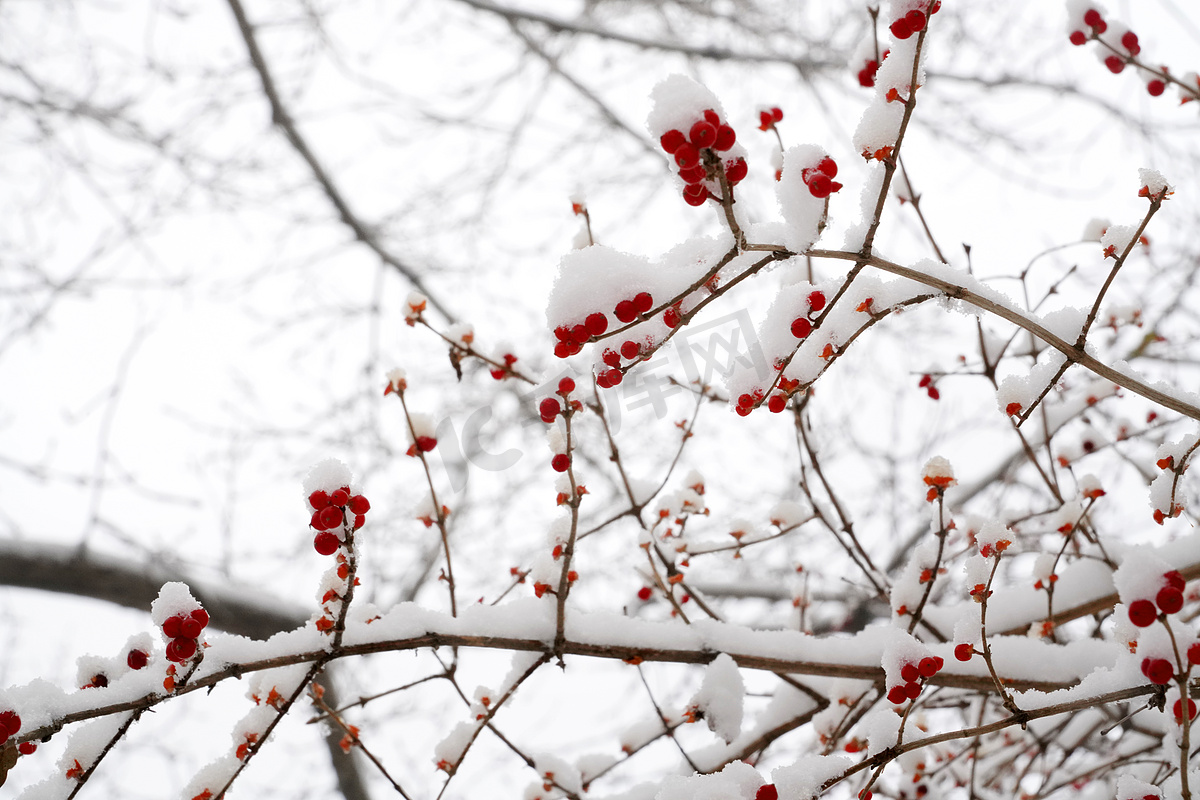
(183,631)
(1143,612)
(1094,23)
(820,179)
(696,156)
(331,511)
(572,338)
(913,675)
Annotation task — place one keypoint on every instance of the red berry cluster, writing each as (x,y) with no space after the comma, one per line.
(1169,600)
(768,117)
(550,408)
(866,75)
(184,632)
(820,179)
(331,510)
(913,22)
(572,338)
(1094,21)
(706,137)
(913,675)
(747,401)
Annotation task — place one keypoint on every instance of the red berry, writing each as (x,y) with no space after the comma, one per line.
(1169,599)
(901,29)
(614,377)
(745,400)
(181,649)
(630,350)
(1178,709)
(1193,653)
(928,666)
(703,134)
(819,185)
(643,302)
(777,403)
(625,311)
(912,689)
(315,521)
(694,194)
(596,324)
(687,156)
(171,628)
(816,300)
(915,20)
(777,114)
(331,516)
(28,748)
(359,504)
(671,317)
(909,673)
(1115,64)
(644,593)
(318,500)
(137,659)
(765,120)
(866,78)
(1142,613)
(1129,40)
(672,140)
(801,327)
(562,350)
(565,386)
(1174,579)
(933,393)
(726,136)
(964,651)
(737,171)
(359,521)
(767,792)
(562,333)
(711,116)
(425,444)
(693,174)
(1092,17)
(939,662)
(828,166)
(602,380)
(190,628)
(1078,38)
(580,334)
(10,723)
(743,411)
(326,543)
(925,381)
(1160,671)
(896,695)
(561,462)
(201,616)
(1156,87)
(339,498)
(611,357)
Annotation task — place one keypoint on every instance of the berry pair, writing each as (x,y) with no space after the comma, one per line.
(768,117)
(820,179)
(747,401)
(866,75)
(1168,600)
(501,374)
(184,632)
(913,22)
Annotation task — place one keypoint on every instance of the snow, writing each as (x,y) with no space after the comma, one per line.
(801,211)
(1117,238)
(676,102)
(174,598)
(738,781)
(790,513)
(1153,181)
(803,779)
(720,697)
(327,476)
(1094,230)
(1140,575)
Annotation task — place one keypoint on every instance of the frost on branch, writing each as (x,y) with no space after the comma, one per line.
(720,697)
(738,781)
